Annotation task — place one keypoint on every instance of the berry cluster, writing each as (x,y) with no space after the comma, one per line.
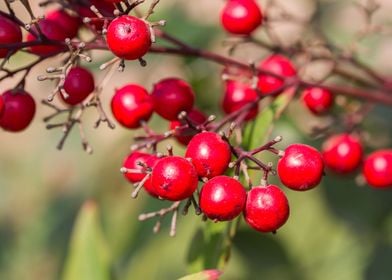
(212,175)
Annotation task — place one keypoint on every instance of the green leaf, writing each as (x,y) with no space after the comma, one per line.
(211,274)
(88,257)
(208,248)
(258,131)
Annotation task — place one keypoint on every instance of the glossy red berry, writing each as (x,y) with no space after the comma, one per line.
(18,112)
(78,84)
(174,178)
(69,24)
(237,95)
(136,161)
(10,33)
(279,65)
(131,105)
(317,100)
(267,208)
(113,1)
(301,168)
(171,96)
(185,135)
(151,162)
(222,198)
(52,31)
(241,17)
(377,169)
(209,153)
(342,153)
(128,37)
(1,106)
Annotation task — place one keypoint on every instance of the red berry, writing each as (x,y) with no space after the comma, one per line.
(52,31)
(318,100)
(185,135)
(151,162)
(171,96)
(128,37)
(113,1)
(267,208)
(237,95)
(132,104)
(1,105)
(78,84)
(222,198)
(301,168)
(209,153)
(342,153)
(377,169)
(69,24)
(18,112)
(132,162)
(174,178)
(279,65)
(241,16)
(10,33)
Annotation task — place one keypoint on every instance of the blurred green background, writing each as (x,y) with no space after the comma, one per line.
(69,215)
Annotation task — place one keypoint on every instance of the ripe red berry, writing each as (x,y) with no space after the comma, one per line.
(52,31)
(318,100)
(18,112)
(113,1)
(1,105)
(69,24)
(10,33)
(78,84)
(222,198)
(171,96)
(377,169)
(131,105)
(279,65)
(267,208)
(209,153)
(342,153)
(237,95)
(185,135)
(106,9)
(151,162)
(241,16)
(132,161)
(301,168)
(128,37)
(174,178)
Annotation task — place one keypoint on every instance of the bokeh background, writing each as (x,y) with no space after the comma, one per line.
(67,212)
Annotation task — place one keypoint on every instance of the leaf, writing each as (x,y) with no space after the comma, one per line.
(88,257)
(211,274)
(258,131)
(209,247)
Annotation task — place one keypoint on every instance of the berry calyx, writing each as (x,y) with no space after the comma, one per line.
(52,31)
(131,105)
(377,169)
(174,178)
(10,33)
(267,208)
(317,100)
(342,153)
(277,64)
(78,84)
(209,153)
(237,95)
(184,135)
(301,168)
(128,37)
(18,111)
(222,198)
(69,24)
(137,161)
(241,17)
(171,96)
